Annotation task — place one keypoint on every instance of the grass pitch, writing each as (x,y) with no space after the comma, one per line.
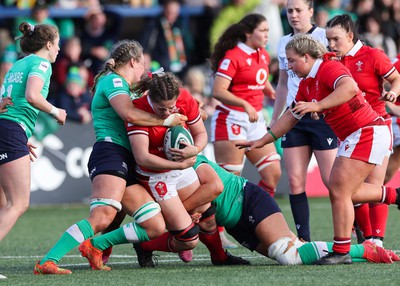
(39,228)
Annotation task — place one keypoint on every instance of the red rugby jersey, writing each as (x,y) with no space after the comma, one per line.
(369,66)
(247,69)
(346,118)
(185,105)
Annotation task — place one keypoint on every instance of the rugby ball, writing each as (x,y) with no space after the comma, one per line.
(173,138)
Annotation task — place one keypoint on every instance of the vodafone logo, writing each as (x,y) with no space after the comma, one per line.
(261,76)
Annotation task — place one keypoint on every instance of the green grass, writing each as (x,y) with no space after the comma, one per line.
(40,227)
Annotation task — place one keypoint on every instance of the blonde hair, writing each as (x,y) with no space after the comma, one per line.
(305,44)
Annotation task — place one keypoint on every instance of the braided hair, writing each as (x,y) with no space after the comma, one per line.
(121,53)
(160,86)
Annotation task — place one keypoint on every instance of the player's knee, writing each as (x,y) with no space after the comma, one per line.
(284,251)
(191,233)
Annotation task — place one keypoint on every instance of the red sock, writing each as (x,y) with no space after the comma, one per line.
(160,243)
(213,243)
(341,244)
(362,218)
(266,188)
(389,195)
(378,215)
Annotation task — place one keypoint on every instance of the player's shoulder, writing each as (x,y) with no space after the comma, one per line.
(234,53)
(34,62)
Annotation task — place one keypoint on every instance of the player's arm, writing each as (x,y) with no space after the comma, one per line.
(200,139)
(140,149)
(34,86)
(280,97)
(286,122)
(346,88)
(269,90)
(122,104)
(211,187)
(393,93)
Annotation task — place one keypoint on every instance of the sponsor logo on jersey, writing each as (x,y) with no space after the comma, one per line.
(225,64)
(44,66)
(248,62)
(261,76)
(117,82)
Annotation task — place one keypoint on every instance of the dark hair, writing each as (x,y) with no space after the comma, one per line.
(121,53)
(310,3)
(35,37)
(346,23)
(160,86)
(232,35)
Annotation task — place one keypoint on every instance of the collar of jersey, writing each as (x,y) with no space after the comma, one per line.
(355,49)
(245,48)
(315,68)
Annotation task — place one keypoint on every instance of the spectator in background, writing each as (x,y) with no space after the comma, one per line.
(75,97)
(39,15)
(374,37)
(195,82)
(71,56)
(97,38)
(361,7)
(165,39)
(229,15)
(8,53)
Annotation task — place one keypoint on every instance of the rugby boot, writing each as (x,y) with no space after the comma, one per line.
(49,267)
(93,255)
(230,260)
(334,258)
(145,258)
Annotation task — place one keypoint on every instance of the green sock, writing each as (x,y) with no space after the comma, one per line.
(131,232)
(356,253)
(71,238)
(313,251)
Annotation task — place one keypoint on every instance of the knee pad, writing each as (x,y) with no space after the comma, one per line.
(99,202)
(146,211)
(267,160)
(284,251)
(188,234)
(232,168)
(208,214)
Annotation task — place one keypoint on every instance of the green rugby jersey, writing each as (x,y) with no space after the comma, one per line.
(14,86)
(108,126)
(229,204)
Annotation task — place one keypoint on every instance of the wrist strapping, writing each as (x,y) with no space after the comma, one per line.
(54,111)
